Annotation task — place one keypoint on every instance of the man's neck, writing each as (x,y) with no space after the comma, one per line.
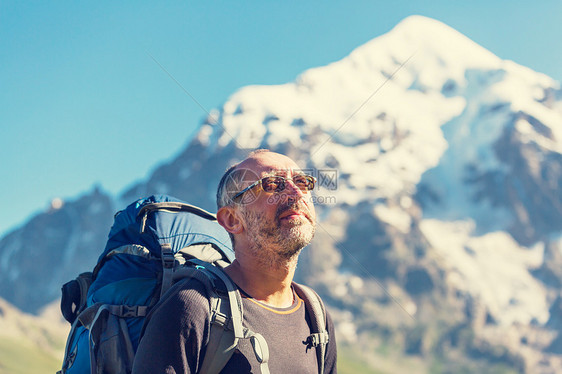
(268,284)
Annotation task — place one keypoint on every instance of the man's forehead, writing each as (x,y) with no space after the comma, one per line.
(282,172)
(270,163)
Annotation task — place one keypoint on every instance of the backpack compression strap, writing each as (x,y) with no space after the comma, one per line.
(317,313)
(168,261)
(172,206)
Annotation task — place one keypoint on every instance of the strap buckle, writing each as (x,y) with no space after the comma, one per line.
(314,340)
(128,311)
(220,319)
(168,259)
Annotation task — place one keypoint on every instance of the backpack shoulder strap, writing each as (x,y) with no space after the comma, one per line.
(232,295)
(317,313)
(224,307)
(226,317)
(226,325)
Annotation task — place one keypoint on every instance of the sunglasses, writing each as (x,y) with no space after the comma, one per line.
(277,184)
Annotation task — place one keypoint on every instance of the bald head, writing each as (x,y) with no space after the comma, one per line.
(258,163)
(266,161)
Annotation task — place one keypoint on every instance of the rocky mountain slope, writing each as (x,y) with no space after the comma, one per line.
(36,260)
(439,167)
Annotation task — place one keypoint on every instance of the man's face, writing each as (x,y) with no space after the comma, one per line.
(283,222)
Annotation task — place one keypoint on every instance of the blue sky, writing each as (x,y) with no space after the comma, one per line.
(84,102)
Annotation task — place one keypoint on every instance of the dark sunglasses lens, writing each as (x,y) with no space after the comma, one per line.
(304,182)
(272,184)
(311,182)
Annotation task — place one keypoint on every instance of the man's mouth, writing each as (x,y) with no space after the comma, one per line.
(292,214)
(296,210)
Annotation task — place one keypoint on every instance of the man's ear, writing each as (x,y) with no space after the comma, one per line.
(228,218)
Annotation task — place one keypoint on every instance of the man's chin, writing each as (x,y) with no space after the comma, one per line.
(301,234)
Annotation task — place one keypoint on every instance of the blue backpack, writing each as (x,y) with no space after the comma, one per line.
(152,244)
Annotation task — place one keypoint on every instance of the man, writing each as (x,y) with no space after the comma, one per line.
(265,204)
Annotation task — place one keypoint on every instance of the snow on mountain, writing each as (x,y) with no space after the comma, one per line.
(341,104)
(433,83)
(493,267)
(439,168)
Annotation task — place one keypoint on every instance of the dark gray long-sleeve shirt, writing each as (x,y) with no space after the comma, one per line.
(176,337)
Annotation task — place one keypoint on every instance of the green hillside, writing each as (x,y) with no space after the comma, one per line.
(350,363)
(22,356)
(31,344)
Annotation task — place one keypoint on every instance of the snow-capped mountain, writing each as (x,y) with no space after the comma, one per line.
(439,168)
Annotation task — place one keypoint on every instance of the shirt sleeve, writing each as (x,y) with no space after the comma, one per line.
(177,333)
(331,364)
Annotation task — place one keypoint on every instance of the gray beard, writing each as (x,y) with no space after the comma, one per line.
(276,245)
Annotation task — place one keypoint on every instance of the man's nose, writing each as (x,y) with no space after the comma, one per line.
(289,183)
(291,191)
